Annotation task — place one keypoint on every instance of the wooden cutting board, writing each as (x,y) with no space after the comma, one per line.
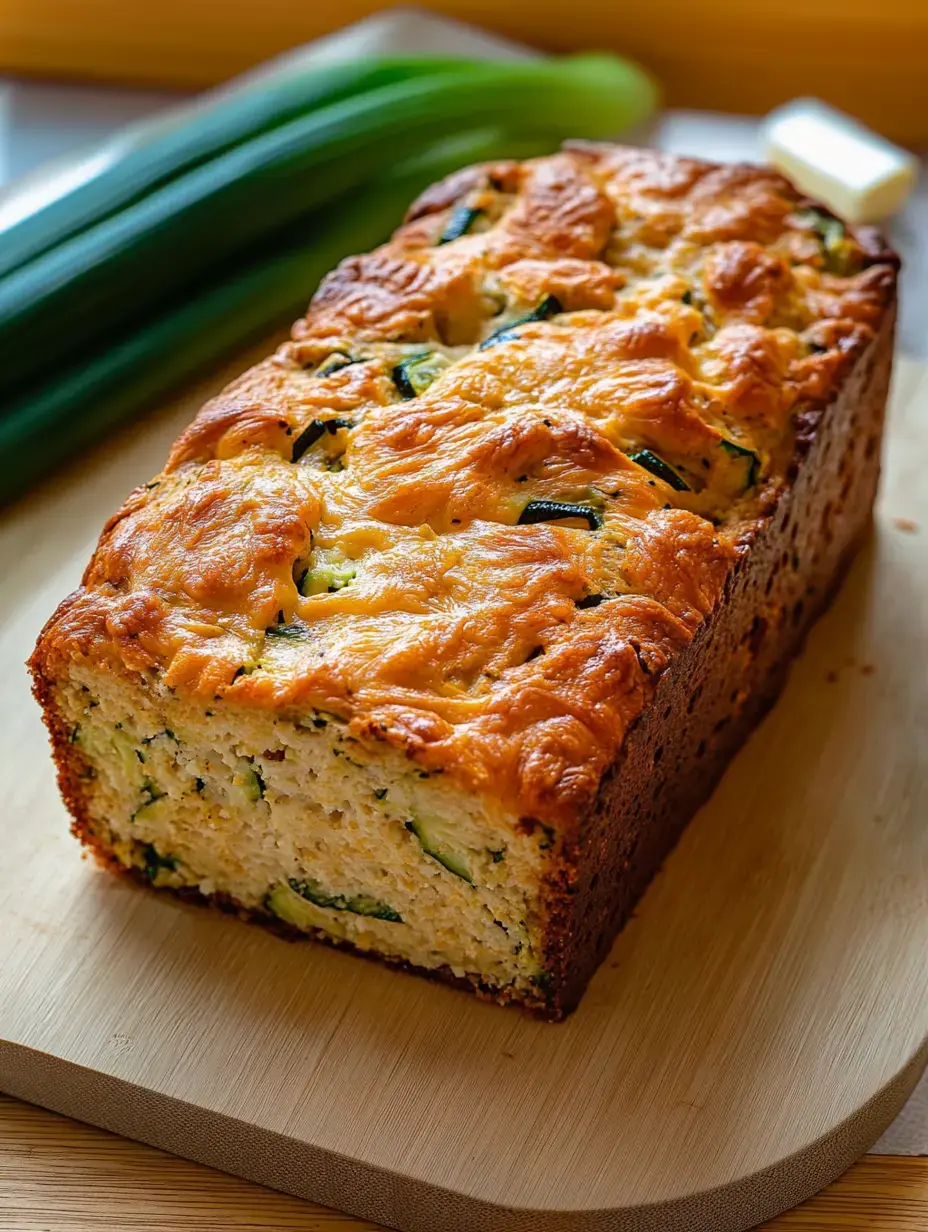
(756,1027)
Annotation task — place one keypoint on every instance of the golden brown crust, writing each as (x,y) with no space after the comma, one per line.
(714,692)
(700,305)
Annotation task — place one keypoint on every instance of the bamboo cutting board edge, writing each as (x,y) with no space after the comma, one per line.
(61,1175)
(287,1165)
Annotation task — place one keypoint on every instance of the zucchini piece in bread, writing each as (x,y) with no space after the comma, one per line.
(437,839)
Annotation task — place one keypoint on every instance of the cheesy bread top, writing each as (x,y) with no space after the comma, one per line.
(500,472)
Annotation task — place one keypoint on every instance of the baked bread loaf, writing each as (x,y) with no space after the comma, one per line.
(439,624)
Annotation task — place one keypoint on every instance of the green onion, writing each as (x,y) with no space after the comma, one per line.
(550,306)
(556,511)
(189,136)
(107,278)
(48,425)
(657,466)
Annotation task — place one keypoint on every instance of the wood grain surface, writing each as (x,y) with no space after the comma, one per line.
(57,1175)
(864,56)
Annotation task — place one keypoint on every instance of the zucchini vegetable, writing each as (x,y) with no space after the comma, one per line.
(296,630)
(460,223)
(747,457)
(150,791)
(336,361)
(833,235)
(162,245)
(413,376)
(657,466)
(312,892)
(557,511)
(148,808)
(128,753)
(550,306)
(156,863)
(50,423)
(314,432)
(438,841)
(326,578)
(252,784)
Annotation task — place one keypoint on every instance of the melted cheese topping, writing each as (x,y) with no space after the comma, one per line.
(335,531)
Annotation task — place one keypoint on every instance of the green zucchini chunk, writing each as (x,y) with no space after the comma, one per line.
(155,863)
(658,467)
(833,235)
(414,375)
(746,456)
(313,432)
(293,630)
(326,579)
(357,904)
(336,361)
(550,306)
(460,223)
(557,511)
(437,840)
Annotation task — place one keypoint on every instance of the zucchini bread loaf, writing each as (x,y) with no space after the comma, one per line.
(440,623)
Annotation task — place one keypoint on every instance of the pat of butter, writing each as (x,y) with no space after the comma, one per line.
(838,161)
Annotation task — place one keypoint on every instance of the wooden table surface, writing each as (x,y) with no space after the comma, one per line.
(57,1175)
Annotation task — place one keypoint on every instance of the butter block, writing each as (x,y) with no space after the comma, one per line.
(837,160)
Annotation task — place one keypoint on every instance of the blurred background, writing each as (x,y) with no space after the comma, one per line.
(865,56)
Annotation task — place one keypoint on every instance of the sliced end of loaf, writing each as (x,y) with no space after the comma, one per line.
(298,823)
